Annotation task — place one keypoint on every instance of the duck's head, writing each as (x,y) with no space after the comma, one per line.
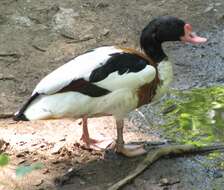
(163,29)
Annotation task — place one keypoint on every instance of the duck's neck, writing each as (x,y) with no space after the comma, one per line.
(152,48)
(155,53)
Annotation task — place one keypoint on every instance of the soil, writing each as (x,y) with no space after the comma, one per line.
(38,36)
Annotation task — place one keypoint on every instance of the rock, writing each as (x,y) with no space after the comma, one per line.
(3,145)
(20,155)
(217,174)
(64,19)
(20,161)
(38,182)
(35,159)
(102,5)
(67,33)
(170,181)
(86,37)
(63,139)
(45,171)
(56,149)
(218,4)
(121,41)
(105,32)
(209,8)
(164,181)
(21,20)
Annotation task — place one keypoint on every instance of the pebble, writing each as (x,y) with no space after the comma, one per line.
(45,171)
(217,174)
(164,181)
(105,32)
(56,149)
(38,182)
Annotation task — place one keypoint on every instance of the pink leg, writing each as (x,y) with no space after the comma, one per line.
(92,143)
(127,150)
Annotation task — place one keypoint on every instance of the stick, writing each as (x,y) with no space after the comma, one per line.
(15,55)
(6,115)
(39,48)
(151,157)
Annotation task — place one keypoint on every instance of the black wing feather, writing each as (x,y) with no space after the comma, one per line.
(120,62)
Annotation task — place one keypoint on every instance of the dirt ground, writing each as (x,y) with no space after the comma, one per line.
(38,36)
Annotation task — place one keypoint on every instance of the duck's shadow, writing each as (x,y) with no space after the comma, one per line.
(102,172)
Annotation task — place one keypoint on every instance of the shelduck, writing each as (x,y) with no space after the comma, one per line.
(110,81)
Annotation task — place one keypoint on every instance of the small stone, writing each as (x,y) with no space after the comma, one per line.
(105,32)
(55,162)
(20,155)
(45,171)
(21,20)
(170,181)
(63,139)
(56,149)
(218,4)
(217,174)
(164,181)
(209,8)
(35,159)
(20,161)
(102,5)
(121,41)
(82,182)
(38,182)
(86,37)
(67,34)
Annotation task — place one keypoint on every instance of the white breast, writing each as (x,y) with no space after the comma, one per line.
(165,71)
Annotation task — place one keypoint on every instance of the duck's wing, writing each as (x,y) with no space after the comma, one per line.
(74,73)
(98,72)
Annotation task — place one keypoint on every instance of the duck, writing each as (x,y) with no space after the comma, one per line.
(110,80)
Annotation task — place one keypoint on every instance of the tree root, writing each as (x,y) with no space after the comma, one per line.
(153,156)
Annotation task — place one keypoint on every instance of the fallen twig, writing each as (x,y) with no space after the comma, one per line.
(169,109)
(39,48)
(80,40)
(15,55)
(153,156)
(6,115)
(7,78)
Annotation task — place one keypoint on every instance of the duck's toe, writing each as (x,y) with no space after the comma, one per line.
(131,150)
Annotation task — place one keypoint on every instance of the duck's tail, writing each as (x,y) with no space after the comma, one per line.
(20,116)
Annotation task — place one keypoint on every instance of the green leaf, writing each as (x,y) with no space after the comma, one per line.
(24,170)
(4,160)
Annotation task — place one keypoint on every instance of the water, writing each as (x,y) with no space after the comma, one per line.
(198,117)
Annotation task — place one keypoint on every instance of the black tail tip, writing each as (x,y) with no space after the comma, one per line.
(20,117)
